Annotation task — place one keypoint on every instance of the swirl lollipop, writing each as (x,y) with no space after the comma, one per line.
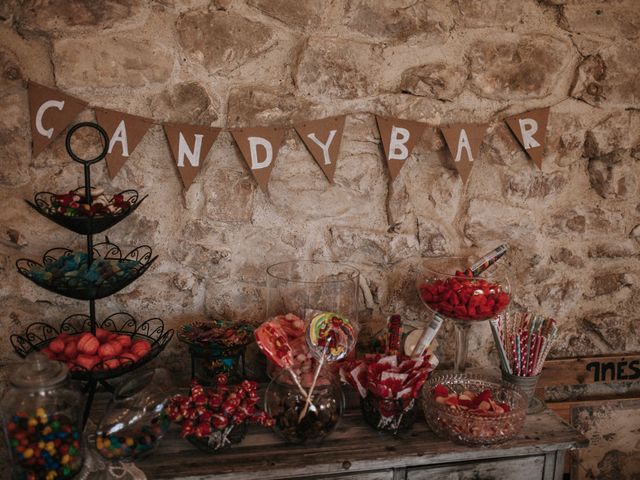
(330,338)
(272,341)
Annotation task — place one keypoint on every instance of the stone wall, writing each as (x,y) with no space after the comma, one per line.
(573,228)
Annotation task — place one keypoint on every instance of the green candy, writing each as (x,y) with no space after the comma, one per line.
(55,425)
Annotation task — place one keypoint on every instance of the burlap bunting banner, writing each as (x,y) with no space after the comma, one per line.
(51,111)
(398,139)
(323,138)
(189,145)
(125,132)
(259,147)
(530,128)
(464,140)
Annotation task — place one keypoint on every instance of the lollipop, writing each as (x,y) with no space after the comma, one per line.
(330,338)
(273,342)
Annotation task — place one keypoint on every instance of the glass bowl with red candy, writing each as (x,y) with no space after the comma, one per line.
(473,409)
(462,296)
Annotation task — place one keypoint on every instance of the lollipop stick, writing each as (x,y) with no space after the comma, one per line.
(296,380)
(313,384)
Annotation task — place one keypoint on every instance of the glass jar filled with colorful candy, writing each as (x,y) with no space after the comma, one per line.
(41,418)
(136,418)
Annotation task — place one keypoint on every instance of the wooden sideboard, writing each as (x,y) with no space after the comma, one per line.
(357,452)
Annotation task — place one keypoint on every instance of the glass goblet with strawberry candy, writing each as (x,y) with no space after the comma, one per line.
(449,288)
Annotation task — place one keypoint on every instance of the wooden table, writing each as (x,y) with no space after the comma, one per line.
(357,452)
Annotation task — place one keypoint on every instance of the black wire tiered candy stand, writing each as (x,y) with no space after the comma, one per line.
(38,335)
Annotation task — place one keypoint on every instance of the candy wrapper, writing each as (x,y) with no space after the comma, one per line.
(392,382)
(209,417)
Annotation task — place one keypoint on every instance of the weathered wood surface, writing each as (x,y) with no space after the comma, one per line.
(354,447)
(584,370)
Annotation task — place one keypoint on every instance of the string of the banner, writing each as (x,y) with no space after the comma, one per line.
(455,136)
(284,127)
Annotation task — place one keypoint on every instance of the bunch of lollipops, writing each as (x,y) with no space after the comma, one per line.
(330,338)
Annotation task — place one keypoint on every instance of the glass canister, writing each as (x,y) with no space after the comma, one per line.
(135,419)
(297,291)
(285,403)
(41,418)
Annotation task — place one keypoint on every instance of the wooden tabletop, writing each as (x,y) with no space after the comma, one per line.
(352,447)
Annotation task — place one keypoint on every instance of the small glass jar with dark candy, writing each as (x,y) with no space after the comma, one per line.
(135,419)
(41,418)
(388,415)
(285,403)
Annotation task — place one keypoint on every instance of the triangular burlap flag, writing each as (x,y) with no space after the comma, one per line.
(530,128)
(259,147)
(323,138)
(464,140)
(398,139)
(51,112)
(125,132)
(189,145)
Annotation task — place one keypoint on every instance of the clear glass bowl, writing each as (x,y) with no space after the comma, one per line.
(467,427)
(219,439)
(135,419)
(440,274)
(449,296)
(388,416)
(284,402)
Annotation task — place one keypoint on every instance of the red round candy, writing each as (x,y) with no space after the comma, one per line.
(102,334)
(140,348)
(87,361)
(112,363)
(57,345)
(70,350)
(107,350)
(88,344)
(128,356)
(124,340)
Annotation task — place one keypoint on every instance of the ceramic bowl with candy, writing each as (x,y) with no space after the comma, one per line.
(473,409)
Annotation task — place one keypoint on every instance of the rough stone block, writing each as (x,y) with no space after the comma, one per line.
(399,19)
(113,62)
(518,67)
(334,67)
(292,13)
(436,80)
(223,40)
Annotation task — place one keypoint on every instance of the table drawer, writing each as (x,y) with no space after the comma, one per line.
(531,468)
(379,475)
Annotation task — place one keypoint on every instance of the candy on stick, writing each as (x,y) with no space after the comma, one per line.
(273,342)
(427,336)
(393,344)
(486,261)
(330,338)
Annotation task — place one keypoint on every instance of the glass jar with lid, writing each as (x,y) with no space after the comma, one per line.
(41,418)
